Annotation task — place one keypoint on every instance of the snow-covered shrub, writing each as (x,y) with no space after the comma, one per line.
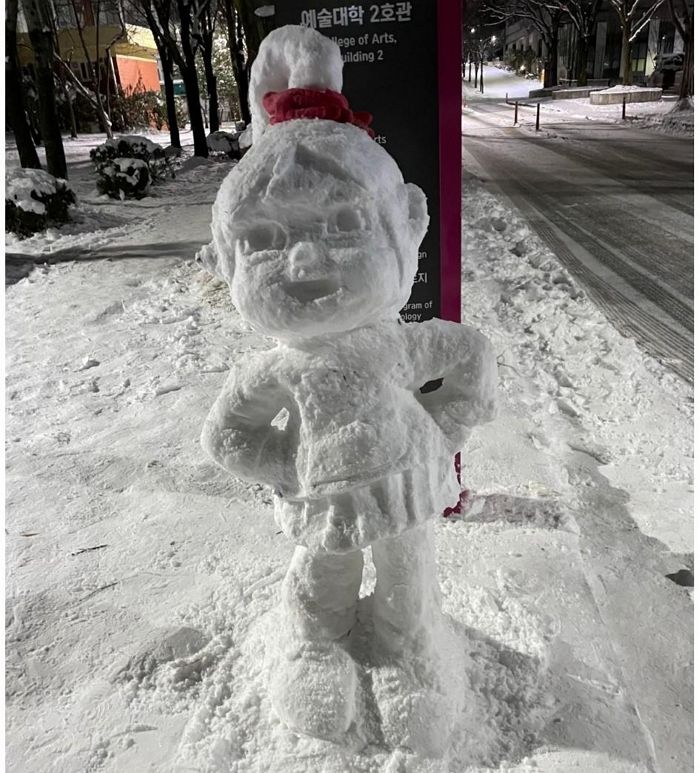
(124,178)
(34,199)
(119,178)
(138,108)
(224,143)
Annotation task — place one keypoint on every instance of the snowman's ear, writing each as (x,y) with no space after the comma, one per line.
(417,211)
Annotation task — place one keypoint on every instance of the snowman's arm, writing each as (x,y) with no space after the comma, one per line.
(238,433)
(465,362)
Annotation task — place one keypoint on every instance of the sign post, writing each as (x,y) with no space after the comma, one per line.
(403,65)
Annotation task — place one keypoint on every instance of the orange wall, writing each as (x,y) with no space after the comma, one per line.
(131,69)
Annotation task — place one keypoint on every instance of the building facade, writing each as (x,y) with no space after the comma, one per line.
(127,54)
(659,37)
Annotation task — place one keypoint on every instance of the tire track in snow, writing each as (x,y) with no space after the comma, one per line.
(658,319)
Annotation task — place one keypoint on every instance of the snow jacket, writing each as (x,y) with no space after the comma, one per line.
(359,452)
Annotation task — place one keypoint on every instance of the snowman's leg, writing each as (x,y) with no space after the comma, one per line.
(406,603)
(314,683)
(320,593)
(419,681)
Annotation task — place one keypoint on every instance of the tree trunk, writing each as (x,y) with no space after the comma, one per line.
(14,93)
(71,111)
(237,63)
(626,57)
(212,91)
(189,76)
(252,27)
(551,75)
(194,108)
(582,59)
(102,117)
(37,15)
(686,88)
(167,64)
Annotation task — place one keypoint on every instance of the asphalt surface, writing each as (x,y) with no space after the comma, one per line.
(615,205)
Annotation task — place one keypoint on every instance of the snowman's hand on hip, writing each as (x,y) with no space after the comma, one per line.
(458,365)
(246,433)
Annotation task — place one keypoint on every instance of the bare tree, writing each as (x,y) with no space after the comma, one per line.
(86,13)
(236,45)
(682,14)
(546,16)
(14,92)
(633,17)
(584,15)
(143,11)
(172,23)
(38,15)
(206,15)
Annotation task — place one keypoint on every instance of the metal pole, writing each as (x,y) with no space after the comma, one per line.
(537,121)
(516,113)
(624,103)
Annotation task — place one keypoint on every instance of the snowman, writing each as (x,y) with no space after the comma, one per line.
(317,235)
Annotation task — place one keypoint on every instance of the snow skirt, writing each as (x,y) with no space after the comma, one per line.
(354,519)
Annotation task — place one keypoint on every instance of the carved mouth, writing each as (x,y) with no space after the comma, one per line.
(312,290)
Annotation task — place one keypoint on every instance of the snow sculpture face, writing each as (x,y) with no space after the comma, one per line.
(316,231)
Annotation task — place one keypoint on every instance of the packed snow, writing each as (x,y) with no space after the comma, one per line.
(660,116)
(498,83)
(144,583)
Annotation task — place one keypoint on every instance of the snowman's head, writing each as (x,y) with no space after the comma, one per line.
(316,232)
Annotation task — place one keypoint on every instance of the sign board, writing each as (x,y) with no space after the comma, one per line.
(403,65)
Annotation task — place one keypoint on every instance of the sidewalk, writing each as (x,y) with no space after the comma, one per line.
(140,577)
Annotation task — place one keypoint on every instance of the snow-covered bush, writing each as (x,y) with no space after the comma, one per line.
(224,143)
(139,108)
(134,148)
(124,178)
(34,199)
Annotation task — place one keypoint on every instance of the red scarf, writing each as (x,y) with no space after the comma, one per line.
(310,103)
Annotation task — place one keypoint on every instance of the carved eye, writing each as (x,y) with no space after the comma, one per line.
(348,219)
(264,236)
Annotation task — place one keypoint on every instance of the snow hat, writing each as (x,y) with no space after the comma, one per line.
(292,57)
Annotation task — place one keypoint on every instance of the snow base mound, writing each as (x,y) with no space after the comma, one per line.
(498,694)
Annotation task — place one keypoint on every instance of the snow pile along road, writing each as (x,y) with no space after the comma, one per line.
(142,581)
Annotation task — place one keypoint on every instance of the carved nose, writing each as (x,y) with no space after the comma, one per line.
(304,258)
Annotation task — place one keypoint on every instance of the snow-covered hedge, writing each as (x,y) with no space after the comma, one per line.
(34,199)
(119,178)
(124,178)
(221,142)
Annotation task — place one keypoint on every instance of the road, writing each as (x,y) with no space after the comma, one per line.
(615,205)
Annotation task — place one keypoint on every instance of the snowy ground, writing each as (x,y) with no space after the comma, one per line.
(141,580)
(499,83)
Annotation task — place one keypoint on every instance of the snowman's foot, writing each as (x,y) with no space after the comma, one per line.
(313,689)
(414,716)
(420,693)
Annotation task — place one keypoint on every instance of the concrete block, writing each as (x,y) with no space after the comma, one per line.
(616,97)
